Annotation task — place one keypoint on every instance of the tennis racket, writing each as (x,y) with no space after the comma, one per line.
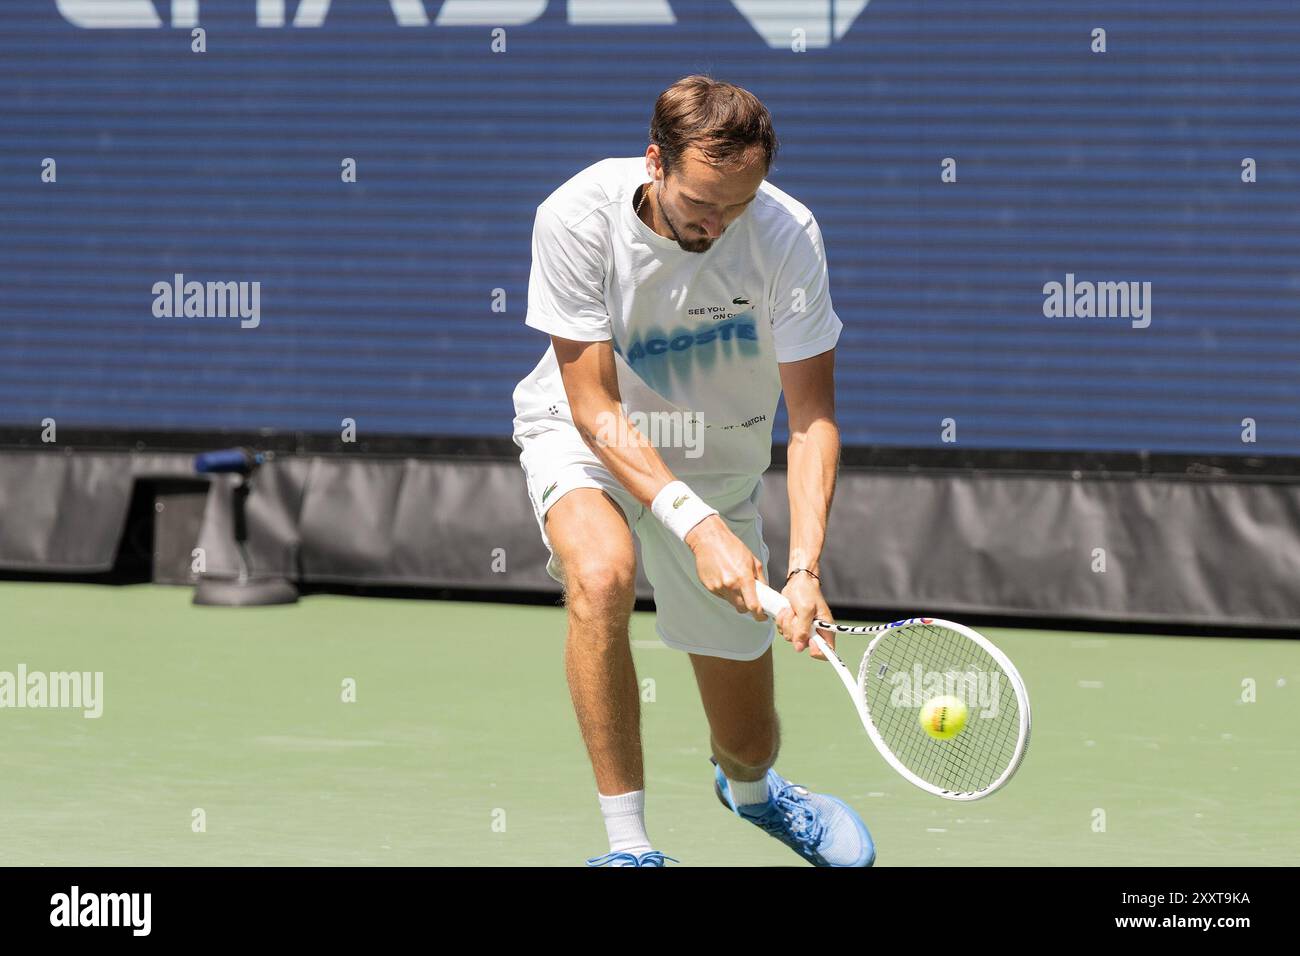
(912,662)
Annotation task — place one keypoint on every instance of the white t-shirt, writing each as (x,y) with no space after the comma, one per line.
(697,335)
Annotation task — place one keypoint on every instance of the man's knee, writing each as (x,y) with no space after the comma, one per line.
(593,546)
(756,752)
(596,586)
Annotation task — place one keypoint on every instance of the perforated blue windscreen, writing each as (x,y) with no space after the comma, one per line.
(377,297)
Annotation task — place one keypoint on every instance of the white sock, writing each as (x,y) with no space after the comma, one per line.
(625,822)
(747,792)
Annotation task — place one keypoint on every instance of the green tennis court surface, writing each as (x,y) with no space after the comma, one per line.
(461,747)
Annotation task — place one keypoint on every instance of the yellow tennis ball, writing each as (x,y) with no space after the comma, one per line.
(943,718)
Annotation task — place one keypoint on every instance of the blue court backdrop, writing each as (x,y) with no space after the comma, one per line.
(376,297)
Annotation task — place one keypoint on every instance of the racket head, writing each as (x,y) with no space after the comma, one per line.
(913,661)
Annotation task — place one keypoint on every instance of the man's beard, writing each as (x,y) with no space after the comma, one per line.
(703,244)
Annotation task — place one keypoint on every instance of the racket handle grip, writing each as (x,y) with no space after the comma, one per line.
(773,602)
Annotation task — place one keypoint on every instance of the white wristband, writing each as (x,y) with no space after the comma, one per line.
(679,508)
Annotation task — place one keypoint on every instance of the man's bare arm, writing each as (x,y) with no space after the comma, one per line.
(591,384)
(812,464)
(725,566)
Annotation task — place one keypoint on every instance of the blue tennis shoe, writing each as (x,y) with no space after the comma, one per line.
(649,858)
(824,830)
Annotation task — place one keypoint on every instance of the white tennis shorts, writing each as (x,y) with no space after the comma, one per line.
(688,616)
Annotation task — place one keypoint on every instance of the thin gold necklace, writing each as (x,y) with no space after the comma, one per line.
(645,194)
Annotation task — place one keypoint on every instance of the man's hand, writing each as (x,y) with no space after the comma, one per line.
(725,566)
(804,593)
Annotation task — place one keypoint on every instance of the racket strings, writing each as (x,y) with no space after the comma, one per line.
(918,662)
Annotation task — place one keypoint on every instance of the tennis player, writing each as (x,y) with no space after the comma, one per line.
(683,294)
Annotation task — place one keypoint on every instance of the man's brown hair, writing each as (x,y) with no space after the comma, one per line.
(727,124)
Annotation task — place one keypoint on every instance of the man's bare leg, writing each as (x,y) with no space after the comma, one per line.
(738,699)
(593,543)
(739,702)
